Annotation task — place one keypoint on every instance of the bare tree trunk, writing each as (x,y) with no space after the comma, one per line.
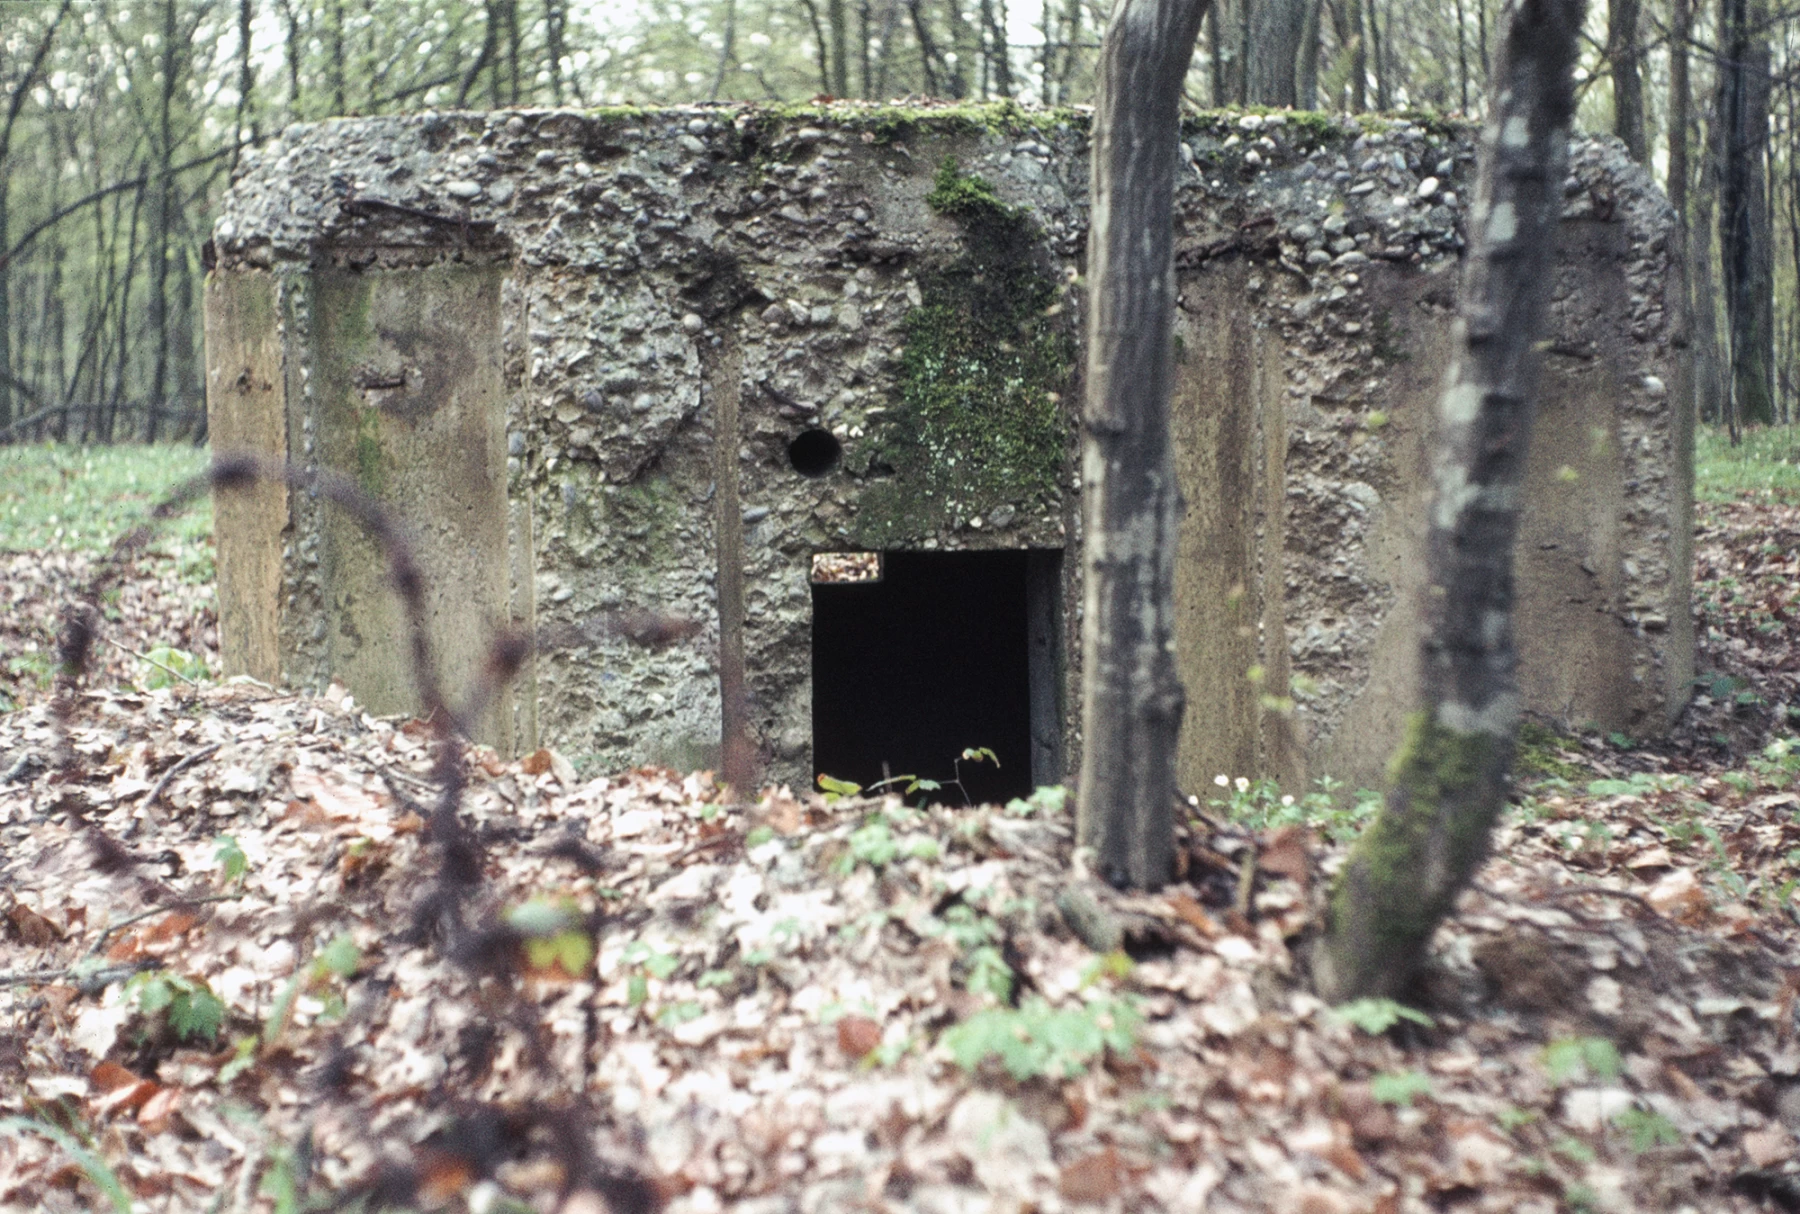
(839,20)
(1216,38)
(888,23)
(865,28)
(1746,234)
(1712,396)
(162,215)
(1449,779)
(1359,60)
(1275,30)
(1131,696)
(1462,61)
(727,51)
(556,18)
(928,53)
(998,66)
(1383,98)
(967,48)
(1628,86)
(1306,79)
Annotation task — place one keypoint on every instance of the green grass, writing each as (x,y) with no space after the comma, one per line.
(82,498)
(1767,461)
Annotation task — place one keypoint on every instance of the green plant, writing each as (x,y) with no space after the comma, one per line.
(1648,1129)
(1036,1039)
(89,1161)
(233,864)
(1511,1118)
(1044,799)
(1573,1057)
(978,937)
(1377,1016)
(186,1005)
(338,960)
(1261,805)
(168,664)
(555,936)
(1399,1087)
(75,498)
(645,963)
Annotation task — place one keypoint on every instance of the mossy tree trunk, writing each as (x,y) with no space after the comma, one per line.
(1448,781)
(1131,697)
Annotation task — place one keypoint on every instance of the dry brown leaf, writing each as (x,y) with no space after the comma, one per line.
(1093,1178)
(1769,1147)
(1287,853)
(858,1035)
(34,929)
(1193,914)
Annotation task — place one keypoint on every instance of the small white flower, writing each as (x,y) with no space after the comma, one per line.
(1243,784)
(1222,780)
(1288,800)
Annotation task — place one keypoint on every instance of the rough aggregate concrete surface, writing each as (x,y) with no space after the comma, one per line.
(654,260)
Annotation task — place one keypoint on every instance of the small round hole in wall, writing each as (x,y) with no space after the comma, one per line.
(815,452)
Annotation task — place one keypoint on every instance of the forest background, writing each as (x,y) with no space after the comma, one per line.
(123,121)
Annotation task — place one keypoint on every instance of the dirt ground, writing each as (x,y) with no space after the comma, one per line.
(244,965)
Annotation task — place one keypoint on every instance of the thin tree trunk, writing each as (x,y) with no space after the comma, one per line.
(1746,236)
(340,87)
(999,69)
(888,24)
(1383,100)
(1359,61)
(1132,700)
(966,45)
(839,19)
(245,116)
(484,59)
(1215,44)
(1681,21)
(1306,83)
(1628,87)
(1712,395)
(1275,30)
(928,53)
(1462,60)
(1449,778)
(556,16)
(727,51)
(162,216)
(865,28)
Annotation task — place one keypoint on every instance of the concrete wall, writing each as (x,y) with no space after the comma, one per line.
(573,350)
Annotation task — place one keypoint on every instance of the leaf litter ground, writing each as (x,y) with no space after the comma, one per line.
(214,998)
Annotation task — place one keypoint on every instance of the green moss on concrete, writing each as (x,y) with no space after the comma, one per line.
(371,471)
(641,521)
(885,123)
(977,421)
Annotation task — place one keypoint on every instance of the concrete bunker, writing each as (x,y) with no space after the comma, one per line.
(624,366)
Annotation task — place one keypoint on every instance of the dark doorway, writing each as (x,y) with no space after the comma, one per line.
(938,656)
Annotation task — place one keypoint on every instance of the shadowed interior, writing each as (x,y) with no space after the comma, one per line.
(911,670)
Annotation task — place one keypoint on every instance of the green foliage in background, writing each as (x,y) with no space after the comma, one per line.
(1766,461)
(81,499)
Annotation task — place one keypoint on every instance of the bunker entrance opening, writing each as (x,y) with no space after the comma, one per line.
(948,651)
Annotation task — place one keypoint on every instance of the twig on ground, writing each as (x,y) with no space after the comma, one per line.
(162,785)
(102,977)
(107,931)
(144,657)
